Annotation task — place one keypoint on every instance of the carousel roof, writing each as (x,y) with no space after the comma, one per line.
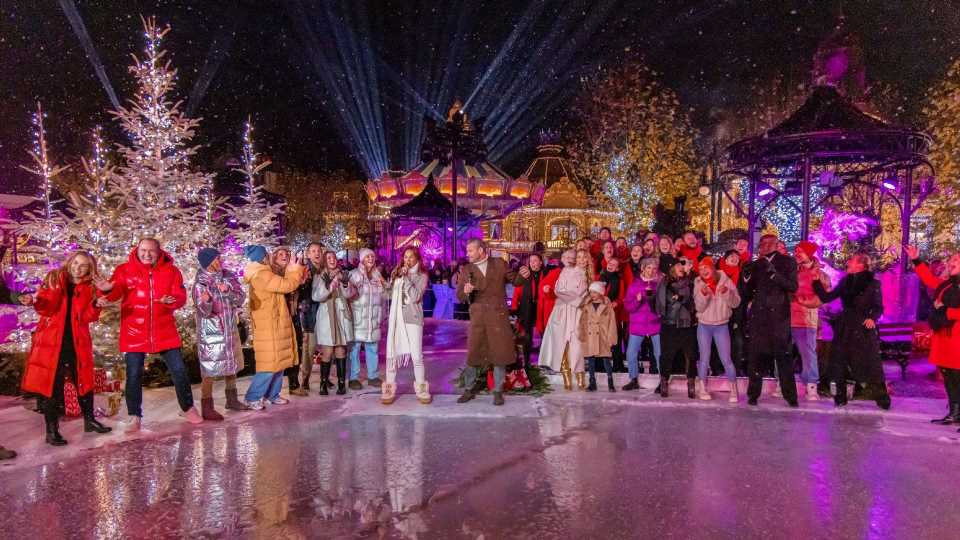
(828,128)
(429,203)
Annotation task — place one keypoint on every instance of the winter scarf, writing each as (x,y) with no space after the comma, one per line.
(398,341)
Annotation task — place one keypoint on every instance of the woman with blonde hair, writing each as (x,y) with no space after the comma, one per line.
(405,326)
(334,331)
(62,348)
(560,347)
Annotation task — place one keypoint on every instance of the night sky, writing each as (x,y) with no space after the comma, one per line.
(346,84)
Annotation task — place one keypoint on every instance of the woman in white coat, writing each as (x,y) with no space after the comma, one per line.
(560,347)
(367,306)
(405,326)
(334,331)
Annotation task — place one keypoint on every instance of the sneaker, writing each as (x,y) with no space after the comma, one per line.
(7,454)
(355,385)
(632,385)
(191,415)
(255,405)
(279,400)
(299,392)
(375,382)
(133,424)
(812,392)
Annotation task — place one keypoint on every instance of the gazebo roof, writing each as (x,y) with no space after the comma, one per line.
(429,203)
(828,128)
(826,110)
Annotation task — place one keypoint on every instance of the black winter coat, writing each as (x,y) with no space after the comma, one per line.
(308,308)
(675,303)
(766,288)
(862,299)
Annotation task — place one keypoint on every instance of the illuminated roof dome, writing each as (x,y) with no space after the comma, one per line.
(551,163)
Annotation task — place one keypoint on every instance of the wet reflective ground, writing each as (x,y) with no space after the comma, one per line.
(552,468)
(569,465)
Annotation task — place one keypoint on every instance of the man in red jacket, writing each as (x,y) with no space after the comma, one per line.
(150,289)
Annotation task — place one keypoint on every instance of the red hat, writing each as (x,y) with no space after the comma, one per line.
(808,247)
(708,261)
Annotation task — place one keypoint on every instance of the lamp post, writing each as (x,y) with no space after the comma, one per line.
(454,142)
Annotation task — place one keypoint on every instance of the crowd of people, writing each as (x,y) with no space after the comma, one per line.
(662,304)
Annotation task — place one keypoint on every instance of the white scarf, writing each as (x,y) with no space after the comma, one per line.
(398,342)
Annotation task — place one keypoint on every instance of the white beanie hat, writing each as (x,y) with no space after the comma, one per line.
(598,287)
(364,252)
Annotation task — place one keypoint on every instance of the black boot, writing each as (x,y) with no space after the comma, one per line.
(592,370)
(840,398)
(881,396)
(324,378)
(691,387)
(664,386)
(90,423)
(341,376)
(608,367)
(953,417)
(53,433)
(632,385)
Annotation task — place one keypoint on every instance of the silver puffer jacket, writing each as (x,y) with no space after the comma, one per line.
(367,305)
(218,340)
(334,316)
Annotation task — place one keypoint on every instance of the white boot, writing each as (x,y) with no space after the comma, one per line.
(812,392)
(423,393)
(702,390)
(776,391)
(734,393)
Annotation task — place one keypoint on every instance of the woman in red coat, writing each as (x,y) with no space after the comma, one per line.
(62,347)
(945,345)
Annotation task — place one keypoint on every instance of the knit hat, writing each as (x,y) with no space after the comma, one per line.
(598,287)
(807,247)
(255,253)
(708,261)
(364,252)
(206,256)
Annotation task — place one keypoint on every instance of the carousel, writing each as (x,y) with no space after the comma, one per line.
(563,215)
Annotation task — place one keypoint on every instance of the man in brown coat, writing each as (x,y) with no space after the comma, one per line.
(490,340)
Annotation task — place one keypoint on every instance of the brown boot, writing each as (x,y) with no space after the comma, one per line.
(207,410)
(234,404)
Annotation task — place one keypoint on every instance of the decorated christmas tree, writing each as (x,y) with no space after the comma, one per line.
(254,220)
(636,146)
(942,114)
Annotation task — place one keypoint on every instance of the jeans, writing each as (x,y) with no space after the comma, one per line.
(372,359)
(265,384)
(719,334)
(806,342)
(134,386)
(633,351)
(470,374)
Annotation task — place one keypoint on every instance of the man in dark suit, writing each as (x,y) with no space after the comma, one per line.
(767,285)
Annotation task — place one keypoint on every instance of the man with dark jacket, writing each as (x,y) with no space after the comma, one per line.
(768,284)
(524,304)
(308,311)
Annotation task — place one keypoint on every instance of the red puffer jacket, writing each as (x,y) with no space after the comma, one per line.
(146,324)
(945,345)
(48,337)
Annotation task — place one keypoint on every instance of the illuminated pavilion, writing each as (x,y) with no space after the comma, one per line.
(563,215)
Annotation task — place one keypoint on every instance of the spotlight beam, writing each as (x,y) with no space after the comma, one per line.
(216,54)
(80,29)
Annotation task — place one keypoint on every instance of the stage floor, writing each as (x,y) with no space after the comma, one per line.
(572,465)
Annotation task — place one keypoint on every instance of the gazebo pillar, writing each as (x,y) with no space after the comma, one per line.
(752,211)
(906,212)
(805,209)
